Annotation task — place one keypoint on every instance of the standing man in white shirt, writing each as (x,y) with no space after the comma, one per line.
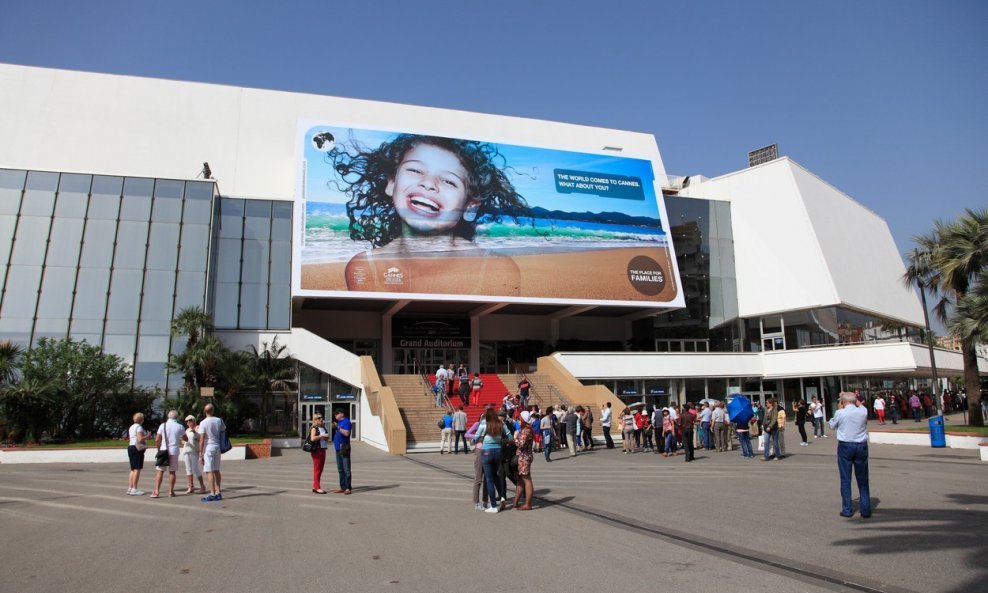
(851,424)
(605,424)
(169,434)
(211,429)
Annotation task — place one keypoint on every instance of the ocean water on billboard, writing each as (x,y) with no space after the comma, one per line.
(327,235)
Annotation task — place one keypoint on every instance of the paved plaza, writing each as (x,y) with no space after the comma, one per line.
(603,521)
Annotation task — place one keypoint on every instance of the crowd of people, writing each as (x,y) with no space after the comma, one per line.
(197,445)
(505,440)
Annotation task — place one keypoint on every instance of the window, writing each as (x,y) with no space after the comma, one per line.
(11,187)
(167,205)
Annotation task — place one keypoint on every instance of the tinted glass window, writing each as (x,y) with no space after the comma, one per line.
(227,265)
(31,241)
(255,267)
(90,301)
(11,187)
(198,200)
(231,218)
(159,287)
(163,247)
(281,224)
(190,290)
(21,295)
(257,225)
(253,305)
(195,243)
(66,239)
(136,203)
(225,306)
(125,294)
(104,204)
(132,237)
(56,293)
(97,249)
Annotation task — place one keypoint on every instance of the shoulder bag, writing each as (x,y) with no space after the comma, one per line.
(225,444)
(161,457)
(308,445)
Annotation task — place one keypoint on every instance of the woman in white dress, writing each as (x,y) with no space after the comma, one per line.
(190,455)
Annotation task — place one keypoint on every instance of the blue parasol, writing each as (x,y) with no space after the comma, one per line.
(739,409)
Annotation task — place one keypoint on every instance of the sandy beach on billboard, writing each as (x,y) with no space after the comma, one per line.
(600,274)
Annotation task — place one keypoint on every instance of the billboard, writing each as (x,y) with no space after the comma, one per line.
(388,214)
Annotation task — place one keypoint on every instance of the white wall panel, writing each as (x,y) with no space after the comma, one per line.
(778,261)
(897,358)
(76,121)
(861,255)
(801,244)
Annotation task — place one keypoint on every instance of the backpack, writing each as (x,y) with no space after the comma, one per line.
(441,423)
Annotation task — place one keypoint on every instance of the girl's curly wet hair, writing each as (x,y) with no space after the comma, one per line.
(365,175)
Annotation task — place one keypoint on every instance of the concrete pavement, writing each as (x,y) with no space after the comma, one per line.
(603,521)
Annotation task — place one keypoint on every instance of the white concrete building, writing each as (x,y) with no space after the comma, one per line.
(767,281)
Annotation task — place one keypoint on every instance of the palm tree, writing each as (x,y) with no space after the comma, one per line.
(271,370)
(970,320)
(192,322)
(27,405)
(10,356)
(200,362)
(948,262)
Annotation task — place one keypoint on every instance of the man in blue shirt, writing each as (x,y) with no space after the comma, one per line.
(341,442)
(705,435)
(851,424)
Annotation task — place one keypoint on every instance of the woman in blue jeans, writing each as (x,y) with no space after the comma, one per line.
(548,434)
(744,437)
(492,430)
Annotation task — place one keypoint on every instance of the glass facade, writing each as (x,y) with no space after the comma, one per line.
(826,326)
(104,259)
(250,281)
(701,233)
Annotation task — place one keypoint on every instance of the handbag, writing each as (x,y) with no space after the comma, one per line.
(308,445)
(345,449)
(225,444)
(161,457)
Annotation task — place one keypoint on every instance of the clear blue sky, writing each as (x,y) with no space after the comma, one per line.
(887,101)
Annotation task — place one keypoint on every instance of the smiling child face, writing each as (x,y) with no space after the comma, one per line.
(429,191)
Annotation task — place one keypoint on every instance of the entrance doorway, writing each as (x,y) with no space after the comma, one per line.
(307,410)
(414,361)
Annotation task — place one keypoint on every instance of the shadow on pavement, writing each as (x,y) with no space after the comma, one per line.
(239,496)
(373,488)
(922,530)
(543,503)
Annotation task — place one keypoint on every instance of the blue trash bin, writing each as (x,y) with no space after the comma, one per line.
(938,438)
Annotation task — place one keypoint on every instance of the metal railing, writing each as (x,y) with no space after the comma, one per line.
(428,386)
(554,397)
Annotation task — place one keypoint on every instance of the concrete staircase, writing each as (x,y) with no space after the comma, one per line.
(417,404)
(542,393)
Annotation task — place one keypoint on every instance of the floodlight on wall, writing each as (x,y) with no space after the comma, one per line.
(763,155)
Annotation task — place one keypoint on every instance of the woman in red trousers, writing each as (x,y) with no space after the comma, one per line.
(318,434)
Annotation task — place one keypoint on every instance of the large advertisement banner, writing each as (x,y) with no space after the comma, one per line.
(398,215)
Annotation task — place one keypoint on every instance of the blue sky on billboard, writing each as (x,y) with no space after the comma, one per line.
(590,182)
(883,99)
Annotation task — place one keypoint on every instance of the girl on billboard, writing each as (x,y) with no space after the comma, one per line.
(418,201)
